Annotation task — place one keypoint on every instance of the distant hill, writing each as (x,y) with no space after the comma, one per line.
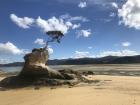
(13,64)
(103,60)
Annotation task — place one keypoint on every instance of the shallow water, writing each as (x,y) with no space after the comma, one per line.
(116,69)
(11,69)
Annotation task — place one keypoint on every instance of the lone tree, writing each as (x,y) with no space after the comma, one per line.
(54,36)
(36,61)
(37,72)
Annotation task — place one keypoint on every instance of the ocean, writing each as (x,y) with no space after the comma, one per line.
(19,68)
(106,69)
(11,69)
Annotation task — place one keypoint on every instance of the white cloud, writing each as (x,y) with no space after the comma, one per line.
(126,52)
(130,14)
(73,18)
(39,41)
(42,43)
(82,5)
(84,33)
(75,26)
(10,48)
(118,53)
(64,23)
(78,18)
(126,44)
(52,24)
(112,14)
(24,22)
(69,24)
(90,47)
(79,54)
(114,4)
(50,50)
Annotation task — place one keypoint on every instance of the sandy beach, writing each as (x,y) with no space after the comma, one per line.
(111,90)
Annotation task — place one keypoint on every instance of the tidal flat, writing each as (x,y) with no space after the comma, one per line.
(118,85)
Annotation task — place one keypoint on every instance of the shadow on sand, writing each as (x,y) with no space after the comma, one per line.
(14,82)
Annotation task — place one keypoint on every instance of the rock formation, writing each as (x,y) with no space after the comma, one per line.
(36,72)
(35,65)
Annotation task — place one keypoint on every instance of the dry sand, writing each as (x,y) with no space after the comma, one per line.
(112,90)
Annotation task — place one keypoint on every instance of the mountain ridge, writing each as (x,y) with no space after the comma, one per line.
(80,61)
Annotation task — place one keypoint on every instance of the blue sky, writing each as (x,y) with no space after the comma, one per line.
(92,28)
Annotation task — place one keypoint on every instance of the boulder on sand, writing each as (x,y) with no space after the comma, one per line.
(36,72)
(35,65)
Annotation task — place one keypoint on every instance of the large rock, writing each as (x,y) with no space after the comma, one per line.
(36,72)
(35,65)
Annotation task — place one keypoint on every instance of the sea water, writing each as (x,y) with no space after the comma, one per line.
(11,69)
(19,68)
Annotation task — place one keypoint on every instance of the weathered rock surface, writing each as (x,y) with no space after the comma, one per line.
(35,65)
(36,72)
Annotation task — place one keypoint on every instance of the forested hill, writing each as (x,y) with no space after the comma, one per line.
(103,60)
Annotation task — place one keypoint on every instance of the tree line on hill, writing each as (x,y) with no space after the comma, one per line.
(82,61)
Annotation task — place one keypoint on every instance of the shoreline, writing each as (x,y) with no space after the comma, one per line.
(98,69)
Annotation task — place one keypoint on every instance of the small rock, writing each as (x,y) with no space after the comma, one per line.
(37,88)
(53,87)
(70,86)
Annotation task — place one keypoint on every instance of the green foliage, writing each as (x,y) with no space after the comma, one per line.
(54,33)
(54,36)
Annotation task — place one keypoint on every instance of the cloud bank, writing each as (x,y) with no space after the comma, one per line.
(130,14)
(10,48)
(52,24)
(84,54)
(125,52)
(64,23)
(24,22)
